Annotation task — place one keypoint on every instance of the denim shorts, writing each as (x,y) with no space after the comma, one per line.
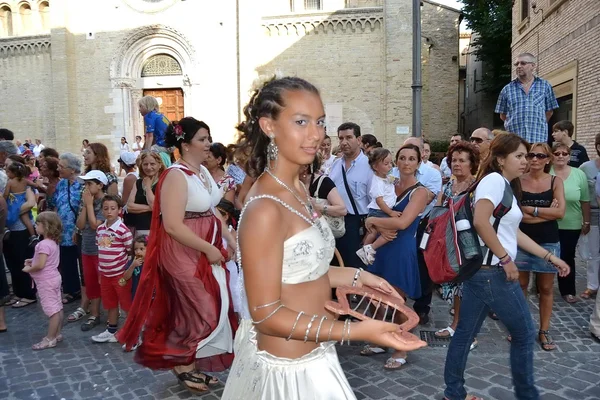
(377,213)
(527,262)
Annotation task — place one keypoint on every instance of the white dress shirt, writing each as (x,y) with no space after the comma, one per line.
(359,177)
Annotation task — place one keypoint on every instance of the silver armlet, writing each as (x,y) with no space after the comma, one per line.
(356,276)
(268,316)
(295,323)
(267,305)
(319,329)
(309,326)
(330,330)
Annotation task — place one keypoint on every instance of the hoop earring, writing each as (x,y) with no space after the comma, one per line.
(272,153)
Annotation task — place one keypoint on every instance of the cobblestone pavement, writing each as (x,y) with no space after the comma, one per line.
(79,369)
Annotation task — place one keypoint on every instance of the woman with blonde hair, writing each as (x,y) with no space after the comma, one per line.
(576,220)
(141,197)
(155,128)
(542,204)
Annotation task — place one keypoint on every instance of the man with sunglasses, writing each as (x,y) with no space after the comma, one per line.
(481,139)
(527,102)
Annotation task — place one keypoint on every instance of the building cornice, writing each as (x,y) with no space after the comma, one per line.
(24,45)
(347,20)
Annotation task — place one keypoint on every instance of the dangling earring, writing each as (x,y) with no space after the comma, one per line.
(272,152)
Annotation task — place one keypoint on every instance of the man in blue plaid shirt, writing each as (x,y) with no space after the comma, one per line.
(527,103)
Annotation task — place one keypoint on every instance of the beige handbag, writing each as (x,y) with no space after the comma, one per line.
(337,224)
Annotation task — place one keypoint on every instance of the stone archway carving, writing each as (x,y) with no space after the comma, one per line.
(126,74)
(145,42)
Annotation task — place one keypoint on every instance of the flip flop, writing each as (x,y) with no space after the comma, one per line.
(23,303)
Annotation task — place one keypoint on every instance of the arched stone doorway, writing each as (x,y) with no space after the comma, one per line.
(155,60)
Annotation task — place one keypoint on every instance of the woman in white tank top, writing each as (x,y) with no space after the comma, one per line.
(184,280)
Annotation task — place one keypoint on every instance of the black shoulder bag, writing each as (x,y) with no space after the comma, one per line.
(361,230)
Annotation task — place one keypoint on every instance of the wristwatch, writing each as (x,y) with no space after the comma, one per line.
(325,209)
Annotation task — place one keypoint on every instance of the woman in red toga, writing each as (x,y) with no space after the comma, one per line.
(182,301)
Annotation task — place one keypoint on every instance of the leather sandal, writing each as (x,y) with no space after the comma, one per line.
(185,377)
(588,294)
(548,344)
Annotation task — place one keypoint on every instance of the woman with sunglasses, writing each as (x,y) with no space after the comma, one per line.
(542,204)
(577,215)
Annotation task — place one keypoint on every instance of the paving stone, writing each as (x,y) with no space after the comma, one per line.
(78,369)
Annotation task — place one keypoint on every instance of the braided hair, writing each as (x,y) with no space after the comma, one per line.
(266,101)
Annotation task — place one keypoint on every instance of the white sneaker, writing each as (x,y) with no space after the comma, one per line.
(366,254)
(104,337)
(370,253)
(362,254)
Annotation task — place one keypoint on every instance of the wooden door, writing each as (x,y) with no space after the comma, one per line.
(170,100)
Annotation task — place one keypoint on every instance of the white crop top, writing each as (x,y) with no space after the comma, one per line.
(307,254)
(199,199)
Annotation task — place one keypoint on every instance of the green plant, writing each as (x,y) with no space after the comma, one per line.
(439,146)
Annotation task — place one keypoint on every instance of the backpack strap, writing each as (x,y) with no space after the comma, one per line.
(500,211)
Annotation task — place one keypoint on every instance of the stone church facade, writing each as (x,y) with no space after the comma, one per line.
(74,69)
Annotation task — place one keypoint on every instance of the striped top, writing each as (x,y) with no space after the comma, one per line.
(114,244)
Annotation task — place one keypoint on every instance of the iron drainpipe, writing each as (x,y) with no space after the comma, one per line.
(417,85)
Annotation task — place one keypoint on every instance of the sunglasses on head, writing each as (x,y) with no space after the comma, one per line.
(476,139)
(561,153)
(539,156)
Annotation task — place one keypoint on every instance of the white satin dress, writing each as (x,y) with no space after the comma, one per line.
(258,375)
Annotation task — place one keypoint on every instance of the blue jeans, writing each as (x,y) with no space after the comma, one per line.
(489,290)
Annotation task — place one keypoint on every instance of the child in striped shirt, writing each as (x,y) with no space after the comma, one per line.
(114,244)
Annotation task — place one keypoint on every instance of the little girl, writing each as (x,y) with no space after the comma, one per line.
(134,268)
(15,195)
(383,198)
(43,268)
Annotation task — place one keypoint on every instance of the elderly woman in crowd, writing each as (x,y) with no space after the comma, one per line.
(66,201)
(141,198)
(50,178)
(463,160)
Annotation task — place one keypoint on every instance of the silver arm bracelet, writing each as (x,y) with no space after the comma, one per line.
(330,330)
(319,329)
(344,331)
(309,326)
(267,305)
(348,338)
(268,316)
(356,276)
(295,323)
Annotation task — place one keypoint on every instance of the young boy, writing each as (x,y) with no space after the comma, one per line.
(562,132)
(114,244)
(90,217)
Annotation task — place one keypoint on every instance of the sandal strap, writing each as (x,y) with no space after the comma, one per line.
(188,376)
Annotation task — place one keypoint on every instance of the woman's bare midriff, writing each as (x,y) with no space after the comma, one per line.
(309,297)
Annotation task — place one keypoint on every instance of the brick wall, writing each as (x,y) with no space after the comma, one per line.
(559,36)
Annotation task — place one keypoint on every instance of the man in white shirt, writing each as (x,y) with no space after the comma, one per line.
(38,148)
(446,170)
(352,176)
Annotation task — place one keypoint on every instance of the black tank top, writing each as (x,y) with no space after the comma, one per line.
(543,232)
(142,221)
